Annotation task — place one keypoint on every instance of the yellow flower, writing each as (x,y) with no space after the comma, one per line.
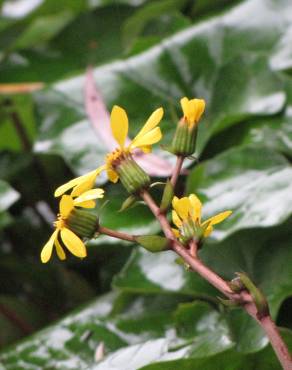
(186,215)
(193,110)
(63,235)
(147,136)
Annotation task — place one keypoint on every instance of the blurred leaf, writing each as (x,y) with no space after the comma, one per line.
(231,360)
(17,127)
(42,30)
(135,24)
(253,182)
(18,318)
(70,343)
(7,196)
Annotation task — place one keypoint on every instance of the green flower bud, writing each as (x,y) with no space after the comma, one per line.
(184,141)
(82,222)
(132,176)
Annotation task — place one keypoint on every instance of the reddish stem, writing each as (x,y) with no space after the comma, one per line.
(244,297)
(176,171)
(116,234)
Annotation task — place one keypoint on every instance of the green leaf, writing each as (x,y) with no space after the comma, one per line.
(42,29)
(238,85)
(253,182)
(69,344)
(7,196)
(159,273)
(136,23)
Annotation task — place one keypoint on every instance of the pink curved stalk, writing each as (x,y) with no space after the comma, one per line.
(99,117)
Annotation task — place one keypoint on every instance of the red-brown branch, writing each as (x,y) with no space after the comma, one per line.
(244,297)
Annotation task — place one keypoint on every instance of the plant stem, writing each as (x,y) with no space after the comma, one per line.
(15,319)
(244,297)
(116,234)
(276,341)
(176,171)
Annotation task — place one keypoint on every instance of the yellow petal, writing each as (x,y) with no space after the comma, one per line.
(196,109)
(119,125)
(174,201)
(182,207)
(60,251)
(151,123)
(72,183)
(217,218)
(149,138)
(48,248)
(176,233)
(87,204)
(196,207)
(208,231)
(112,175)
(89,195)
(66,205)
(176,220)
(184,102)
(73,243)
(69,185)
(146,149)
(87,182)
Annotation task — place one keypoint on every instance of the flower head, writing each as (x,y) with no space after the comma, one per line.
(147,136)
(186,215)
(193,110)
(63,234)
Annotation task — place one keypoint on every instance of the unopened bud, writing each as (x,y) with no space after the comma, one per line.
(184,141)
(132,176)
(82,222)
(258,297)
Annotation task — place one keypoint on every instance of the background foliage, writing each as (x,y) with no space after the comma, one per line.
(148,311)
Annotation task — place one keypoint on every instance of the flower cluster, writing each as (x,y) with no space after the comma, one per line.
(75,221)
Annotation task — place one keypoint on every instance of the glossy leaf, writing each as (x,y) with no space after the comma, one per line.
(159,273)
(255,183)
(202,61)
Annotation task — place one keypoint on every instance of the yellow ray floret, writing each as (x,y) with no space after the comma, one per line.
(189,208)
(79,184)
(62,233)
(147,136)
(193,110)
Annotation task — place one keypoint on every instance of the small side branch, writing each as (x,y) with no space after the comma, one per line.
(116,234)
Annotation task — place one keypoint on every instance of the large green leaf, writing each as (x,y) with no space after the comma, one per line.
(253,182)
(128,321)
(229,360)
(203,60)
(159,273)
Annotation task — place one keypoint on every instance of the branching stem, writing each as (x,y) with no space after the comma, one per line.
(244,298)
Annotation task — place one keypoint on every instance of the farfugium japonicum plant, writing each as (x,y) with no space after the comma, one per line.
(185,235)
